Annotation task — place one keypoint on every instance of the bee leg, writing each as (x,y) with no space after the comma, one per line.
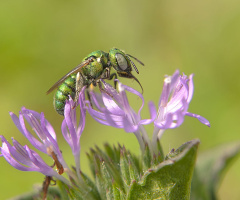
(107,75)
(129,75)
(103,90)
(79,85)
(115,77)
(89,98)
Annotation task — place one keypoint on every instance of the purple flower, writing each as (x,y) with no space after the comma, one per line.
(173,105)
(25,159)
(116,110)
(71,130)
(44,139)
(113,109)
(110,108)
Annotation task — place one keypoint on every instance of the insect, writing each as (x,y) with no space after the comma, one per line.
(96,66)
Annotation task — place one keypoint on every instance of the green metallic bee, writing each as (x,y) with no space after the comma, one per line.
(96,66)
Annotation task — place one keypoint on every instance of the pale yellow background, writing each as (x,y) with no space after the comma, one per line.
(42,40)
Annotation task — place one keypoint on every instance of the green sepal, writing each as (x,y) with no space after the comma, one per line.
(92,189)
(111,166)
(133,168)
(147,158)
(70,193)
(107,178)
(76,194)
(113,153)
(116,191)
(85,188)
(63,190)
(158,156)
(160,153)
(124,167)
(210,169)
(171,179)
(53,194)
(91,164)
(99,180)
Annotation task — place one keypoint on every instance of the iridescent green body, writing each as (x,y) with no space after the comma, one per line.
(90,72)
(94,67)
(62,94)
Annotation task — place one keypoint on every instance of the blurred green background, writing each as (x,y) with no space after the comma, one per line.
(42,40)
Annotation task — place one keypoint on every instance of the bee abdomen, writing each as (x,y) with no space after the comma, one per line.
(62,94)
(59,106)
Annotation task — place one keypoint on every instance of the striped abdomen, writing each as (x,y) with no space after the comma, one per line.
(68,87)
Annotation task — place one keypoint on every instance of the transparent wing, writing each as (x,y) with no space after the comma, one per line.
(75,70)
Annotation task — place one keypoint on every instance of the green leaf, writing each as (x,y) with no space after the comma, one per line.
(171,179)
(133,168)
(210,169)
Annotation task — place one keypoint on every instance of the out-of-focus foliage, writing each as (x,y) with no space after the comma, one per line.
(210,170)
(42,40)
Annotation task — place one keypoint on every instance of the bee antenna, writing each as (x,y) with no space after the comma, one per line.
(133,64)
(136,59)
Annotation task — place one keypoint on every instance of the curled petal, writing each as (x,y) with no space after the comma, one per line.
(153,114)
(200,118)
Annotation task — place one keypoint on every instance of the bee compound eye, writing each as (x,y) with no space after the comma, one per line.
(122,62)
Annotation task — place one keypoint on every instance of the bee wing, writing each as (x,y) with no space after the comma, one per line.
(75,70)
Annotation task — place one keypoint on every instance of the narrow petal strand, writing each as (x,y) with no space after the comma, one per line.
(200,118)
(23,158)
(44,139)
(72,130)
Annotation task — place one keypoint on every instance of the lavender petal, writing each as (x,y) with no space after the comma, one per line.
(200,118)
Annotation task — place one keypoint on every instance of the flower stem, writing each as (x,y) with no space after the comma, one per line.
(140,141)
(157,134)
(77,163)
(63,179)
(145,137)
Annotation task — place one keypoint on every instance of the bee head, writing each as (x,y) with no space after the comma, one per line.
(119,60)
(122,63)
